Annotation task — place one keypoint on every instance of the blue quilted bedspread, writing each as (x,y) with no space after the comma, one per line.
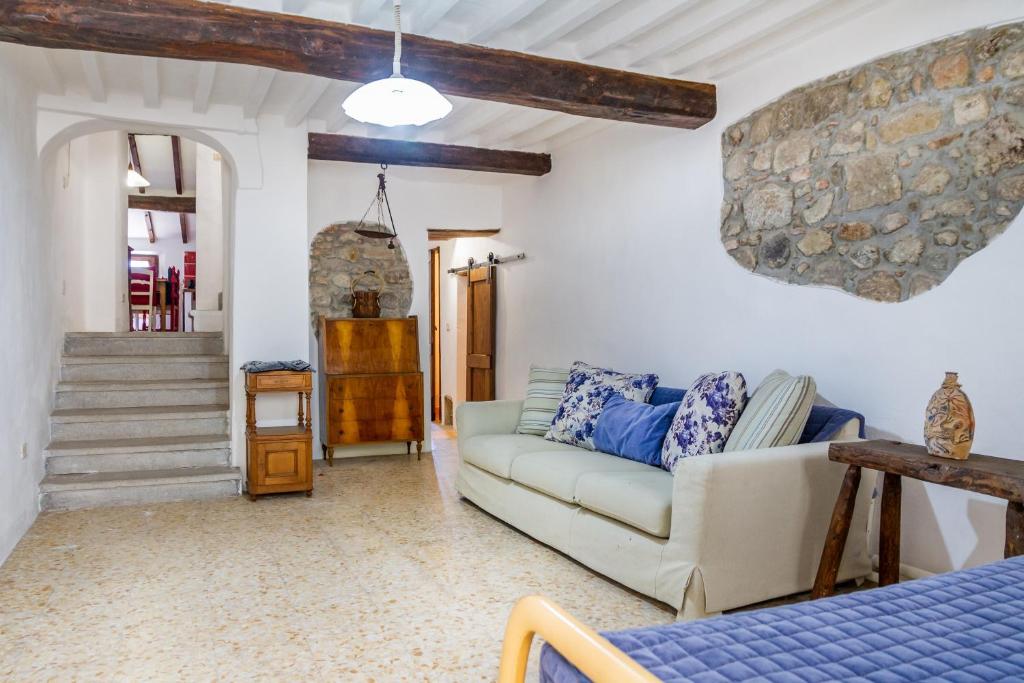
(961,626)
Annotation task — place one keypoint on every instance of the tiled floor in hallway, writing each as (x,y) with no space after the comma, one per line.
(384,575)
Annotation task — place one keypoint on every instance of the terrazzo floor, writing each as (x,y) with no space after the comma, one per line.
(383,575)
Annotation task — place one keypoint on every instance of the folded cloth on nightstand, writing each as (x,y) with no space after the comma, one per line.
(276,365)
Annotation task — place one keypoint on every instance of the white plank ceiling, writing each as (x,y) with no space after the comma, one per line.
(704,40)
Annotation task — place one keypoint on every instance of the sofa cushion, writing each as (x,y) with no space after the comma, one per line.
(495,452)
(584,397)
(556,472)
(776,413)
(707,415)
(640,499)
(543,394)
(633,430)
(663,395)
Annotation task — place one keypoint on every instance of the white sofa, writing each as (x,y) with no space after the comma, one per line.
(727,530)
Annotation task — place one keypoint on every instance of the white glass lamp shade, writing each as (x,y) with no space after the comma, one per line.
(396,101)
(135,179)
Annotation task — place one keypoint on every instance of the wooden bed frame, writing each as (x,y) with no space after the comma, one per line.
(586,649)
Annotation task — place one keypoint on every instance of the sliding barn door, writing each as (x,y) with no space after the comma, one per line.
(481,316)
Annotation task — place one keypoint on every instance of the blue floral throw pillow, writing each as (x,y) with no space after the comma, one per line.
(710,409)
(583,400)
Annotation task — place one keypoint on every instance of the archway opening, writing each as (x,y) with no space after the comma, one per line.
(141,221)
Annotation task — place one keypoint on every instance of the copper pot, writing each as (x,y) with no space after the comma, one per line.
(366,295)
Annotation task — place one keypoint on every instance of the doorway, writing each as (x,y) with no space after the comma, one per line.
(435,335)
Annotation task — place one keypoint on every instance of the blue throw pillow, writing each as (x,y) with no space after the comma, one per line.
(634,430)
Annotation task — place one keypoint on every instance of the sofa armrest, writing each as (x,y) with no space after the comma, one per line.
(754,522)
(487,417)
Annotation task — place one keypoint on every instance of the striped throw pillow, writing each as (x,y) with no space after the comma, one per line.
(776,413)
(543,394)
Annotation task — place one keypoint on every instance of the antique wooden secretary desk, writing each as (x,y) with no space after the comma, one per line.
(371,385)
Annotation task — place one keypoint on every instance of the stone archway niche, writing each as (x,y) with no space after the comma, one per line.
(338,255)
(880,180)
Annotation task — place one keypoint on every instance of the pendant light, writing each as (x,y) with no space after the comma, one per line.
(134,179)
(397,100)
(379,230)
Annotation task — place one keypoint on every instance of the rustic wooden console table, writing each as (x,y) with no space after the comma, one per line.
(997,477)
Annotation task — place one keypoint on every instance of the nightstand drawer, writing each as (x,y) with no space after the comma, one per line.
(279,381)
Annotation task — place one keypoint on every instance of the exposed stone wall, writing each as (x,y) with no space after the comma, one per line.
(338,255)
(880,180)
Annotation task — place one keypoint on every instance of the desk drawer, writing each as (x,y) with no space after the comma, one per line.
(375,408)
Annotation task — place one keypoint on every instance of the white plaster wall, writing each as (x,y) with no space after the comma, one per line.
(626,269)
(90,216)
(420,198)
(210,239)
(31,315)
(270,290)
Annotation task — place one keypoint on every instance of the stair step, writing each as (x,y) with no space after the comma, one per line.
(130,393)
(143,367)
(73,491)
(147,453)
(142,343)
(137,445)
(70,424)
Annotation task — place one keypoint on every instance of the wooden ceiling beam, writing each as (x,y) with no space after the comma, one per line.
(149,228)
(179,184)
(176,160)
(326,147)
(213,32)
(133,152)
(441,234)
(154,202)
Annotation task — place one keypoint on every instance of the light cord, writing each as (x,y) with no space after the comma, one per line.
(397,64)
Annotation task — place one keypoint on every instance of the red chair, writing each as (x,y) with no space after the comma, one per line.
(174,297)
(142,298)
(189,285)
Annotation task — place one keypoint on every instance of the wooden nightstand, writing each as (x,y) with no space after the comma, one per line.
(997,477)
(279,459)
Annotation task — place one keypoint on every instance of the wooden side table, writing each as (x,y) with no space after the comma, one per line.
(997,477)
(279,459)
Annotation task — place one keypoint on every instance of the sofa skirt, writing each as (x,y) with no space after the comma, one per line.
(620,552)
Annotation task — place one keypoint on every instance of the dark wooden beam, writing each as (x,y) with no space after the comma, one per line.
(325,147)
(441,234)
(210,31)
(178,185)
(149,227)
(176,158)
(154,202)
(133,151)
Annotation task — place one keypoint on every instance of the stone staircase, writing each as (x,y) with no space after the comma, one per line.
(139,418)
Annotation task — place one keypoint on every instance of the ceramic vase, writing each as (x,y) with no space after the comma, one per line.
(949,421)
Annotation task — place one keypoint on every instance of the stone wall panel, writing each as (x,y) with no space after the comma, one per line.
(881,179)
(338,255)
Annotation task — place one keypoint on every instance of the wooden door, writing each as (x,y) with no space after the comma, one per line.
(435,334)
(481,317)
